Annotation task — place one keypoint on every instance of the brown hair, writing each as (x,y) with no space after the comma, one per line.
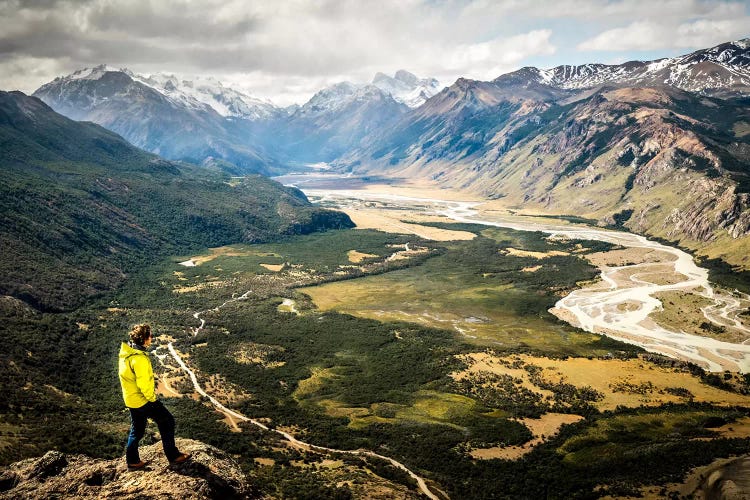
(140,333)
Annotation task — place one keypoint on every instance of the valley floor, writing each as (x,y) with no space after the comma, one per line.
(428,342)
(624,305)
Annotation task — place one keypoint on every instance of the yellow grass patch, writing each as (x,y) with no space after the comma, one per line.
(543,428)
(628,383)
(536,255)
(483,362)
(433,405)
(381,220)
(661,277)
(356,257)
(531,269)
(83,326)
(314,382)
(226,251)
(273,267)
(629,256)
(336,409)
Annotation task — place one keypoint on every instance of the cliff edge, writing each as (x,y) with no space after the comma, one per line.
(211,473)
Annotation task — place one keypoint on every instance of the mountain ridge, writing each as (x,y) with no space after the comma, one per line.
(725,67)
(178,129)
(82,207)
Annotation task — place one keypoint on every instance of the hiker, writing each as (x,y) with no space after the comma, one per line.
(137,381)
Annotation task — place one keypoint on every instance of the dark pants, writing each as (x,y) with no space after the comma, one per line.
(138,419)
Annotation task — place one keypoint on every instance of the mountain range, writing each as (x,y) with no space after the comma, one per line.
(201,120)
(718,70)
(598,140)
(661,148)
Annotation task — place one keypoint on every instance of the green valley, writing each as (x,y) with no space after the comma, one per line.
(428,397)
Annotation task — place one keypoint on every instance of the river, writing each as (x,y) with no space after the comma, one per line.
(620,305)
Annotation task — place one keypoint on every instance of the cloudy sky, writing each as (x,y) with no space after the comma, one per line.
(286,50)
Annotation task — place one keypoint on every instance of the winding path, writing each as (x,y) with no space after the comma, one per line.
(294,441)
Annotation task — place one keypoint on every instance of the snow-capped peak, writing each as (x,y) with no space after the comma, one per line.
(332,97)
(207,91)
(406,87)
(94,73)
(723,67)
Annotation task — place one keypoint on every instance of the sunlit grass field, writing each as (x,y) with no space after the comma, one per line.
(487,297)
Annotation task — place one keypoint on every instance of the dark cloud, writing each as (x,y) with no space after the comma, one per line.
(166,20)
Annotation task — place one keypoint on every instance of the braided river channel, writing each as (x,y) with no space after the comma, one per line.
(620,304)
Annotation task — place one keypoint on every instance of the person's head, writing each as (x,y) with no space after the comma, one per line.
(141,335)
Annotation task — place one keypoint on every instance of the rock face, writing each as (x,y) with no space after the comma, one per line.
(210,473)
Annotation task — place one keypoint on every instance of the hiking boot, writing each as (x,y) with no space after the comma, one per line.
(181,459)
(139,466)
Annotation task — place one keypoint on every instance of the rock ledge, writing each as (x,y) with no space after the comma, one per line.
(211,473)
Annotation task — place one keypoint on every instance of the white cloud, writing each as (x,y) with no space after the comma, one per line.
(487,60)
(28,73)
(287,49)
(650,35)
(707,32)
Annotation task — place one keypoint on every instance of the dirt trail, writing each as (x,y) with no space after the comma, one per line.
(234,416)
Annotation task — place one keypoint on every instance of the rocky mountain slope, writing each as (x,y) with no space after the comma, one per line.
(653,158)
(81,206)
(211,473)
(335,120)
(155,115)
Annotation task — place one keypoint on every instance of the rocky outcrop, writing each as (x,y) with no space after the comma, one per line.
(211,473)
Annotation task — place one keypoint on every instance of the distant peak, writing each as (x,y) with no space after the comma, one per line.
(96,72)
(406,77)
(406,87)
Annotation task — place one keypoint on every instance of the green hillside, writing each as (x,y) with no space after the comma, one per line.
(81,208)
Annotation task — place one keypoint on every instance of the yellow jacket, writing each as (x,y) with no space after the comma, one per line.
(136,377)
